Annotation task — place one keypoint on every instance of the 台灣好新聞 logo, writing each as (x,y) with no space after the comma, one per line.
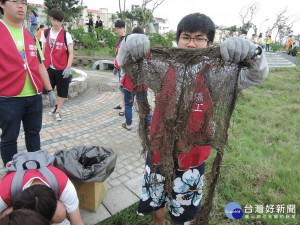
(233,211)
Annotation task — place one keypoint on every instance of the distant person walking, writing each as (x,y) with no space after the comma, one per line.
(289,43)
(99,24)
(120,31)
(129,94)
(39,33)
(90,24)
(33,21)
(58,52)
(269,40)
(259,40)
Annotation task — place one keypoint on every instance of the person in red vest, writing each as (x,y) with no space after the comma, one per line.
(129,94)
(58,52)
(120,31)
(194,31)
(22,77)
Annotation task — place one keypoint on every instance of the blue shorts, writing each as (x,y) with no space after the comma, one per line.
(187,193)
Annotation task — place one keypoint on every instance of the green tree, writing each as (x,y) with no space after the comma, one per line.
(232,30)
(71,8)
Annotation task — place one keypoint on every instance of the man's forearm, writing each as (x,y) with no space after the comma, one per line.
(75,218)
(45,77)
(6,212)
(250,77)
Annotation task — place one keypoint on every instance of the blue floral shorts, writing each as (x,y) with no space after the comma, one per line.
(186,193)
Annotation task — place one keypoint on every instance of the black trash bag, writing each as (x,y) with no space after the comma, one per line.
(86,163)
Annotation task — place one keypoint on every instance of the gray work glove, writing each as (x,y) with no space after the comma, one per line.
(235,49)
(52,98)
(67,72)
(135,45)
(115,71)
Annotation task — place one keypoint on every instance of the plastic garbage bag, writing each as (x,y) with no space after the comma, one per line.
(86,163)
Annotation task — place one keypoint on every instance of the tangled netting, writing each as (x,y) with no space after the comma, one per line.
(195,97)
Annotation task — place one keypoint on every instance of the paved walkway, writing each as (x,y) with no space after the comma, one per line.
(90,119)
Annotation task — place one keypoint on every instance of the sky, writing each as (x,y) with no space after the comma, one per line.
(222,12)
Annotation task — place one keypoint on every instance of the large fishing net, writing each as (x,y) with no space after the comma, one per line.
(195,95)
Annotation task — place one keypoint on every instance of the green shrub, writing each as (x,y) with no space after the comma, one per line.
(276,46)
(161,40)
(89,41)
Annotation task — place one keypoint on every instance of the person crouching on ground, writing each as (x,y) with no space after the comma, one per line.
(37,195)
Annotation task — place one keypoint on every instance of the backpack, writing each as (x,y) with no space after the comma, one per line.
(65,38)
(24,161)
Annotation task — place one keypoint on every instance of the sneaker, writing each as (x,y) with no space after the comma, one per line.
(53,110)
(57,116)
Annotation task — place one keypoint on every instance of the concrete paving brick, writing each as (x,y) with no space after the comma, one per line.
(140,170)
(133,174)
(115,182)
(124,178)
(135,185)
(114,175)
(91,218)
(122,171)
(119,198)
(130,167)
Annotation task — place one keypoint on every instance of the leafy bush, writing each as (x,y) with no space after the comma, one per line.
(89,41)
(276,46)
(161,40)
(109,38)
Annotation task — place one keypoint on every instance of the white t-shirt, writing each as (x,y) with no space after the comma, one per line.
(53,37)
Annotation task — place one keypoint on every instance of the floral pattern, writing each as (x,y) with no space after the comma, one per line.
(149,190)
(175,208)
(188,188)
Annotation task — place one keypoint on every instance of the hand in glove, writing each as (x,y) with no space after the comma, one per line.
(115,71)
(236,49)
(136,45)
(52,98)
(67,72)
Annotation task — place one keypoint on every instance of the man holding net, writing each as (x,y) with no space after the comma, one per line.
(185,113)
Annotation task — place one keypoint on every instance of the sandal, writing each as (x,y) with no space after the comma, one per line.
(118,107)
(121,113)
(124,126)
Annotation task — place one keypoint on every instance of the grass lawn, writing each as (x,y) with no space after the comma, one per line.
(261,164)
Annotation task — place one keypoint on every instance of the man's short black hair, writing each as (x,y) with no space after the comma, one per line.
(120,24)
(138,30)
(196,22)
(39,198)
(57,14)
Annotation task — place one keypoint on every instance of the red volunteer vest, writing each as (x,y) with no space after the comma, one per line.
(165,106)
(58,54)
(128,85)
(13,70)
